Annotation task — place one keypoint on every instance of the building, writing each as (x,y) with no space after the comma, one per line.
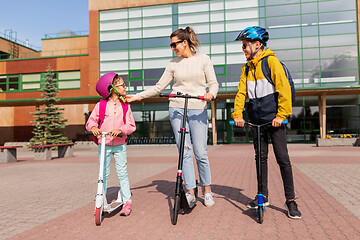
(316,39)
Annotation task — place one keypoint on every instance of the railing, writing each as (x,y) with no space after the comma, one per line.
(66,34)
(23,43)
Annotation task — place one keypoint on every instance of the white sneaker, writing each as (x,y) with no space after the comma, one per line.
(191,199)
(209,200)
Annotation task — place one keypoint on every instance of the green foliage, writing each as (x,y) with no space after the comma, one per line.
(49,122)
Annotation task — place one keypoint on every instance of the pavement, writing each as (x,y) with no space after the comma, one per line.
(55,199)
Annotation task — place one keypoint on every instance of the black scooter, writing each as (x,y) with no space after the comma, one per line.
(261,209)
(180,201)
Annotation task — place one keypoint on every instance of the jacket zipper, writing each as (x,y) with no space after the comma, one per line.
(257,102)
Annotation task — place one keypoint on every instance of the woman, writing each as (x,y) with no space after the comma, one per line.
(191,71)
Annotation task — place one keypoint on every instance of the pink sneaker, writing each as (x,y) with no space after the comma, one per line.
(126,209)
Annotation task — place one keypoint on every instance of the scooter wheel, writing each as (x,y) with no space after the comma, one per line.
(261,214)
(98,215)
(176,209)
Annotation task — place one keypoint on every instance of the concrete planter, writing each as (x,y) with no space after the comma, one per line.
(335,142)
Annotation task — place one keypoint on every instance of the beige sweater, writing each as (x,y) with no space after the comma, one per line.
(190,76)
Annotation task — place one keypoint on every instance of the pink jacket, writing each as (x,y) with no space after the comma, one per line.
(113,120)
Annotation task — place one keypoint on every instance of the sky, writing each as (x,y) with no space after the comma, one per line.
(32,19)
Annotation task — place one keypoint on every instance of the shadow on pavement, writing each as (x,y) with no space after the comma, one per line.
(230,194)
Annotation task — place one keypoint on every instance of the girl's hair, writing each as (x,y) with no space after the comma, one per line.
(117,77)
(189,35)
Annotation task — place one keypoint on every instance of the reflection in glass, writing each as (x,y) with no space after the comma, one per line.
(338,5)
(282,10)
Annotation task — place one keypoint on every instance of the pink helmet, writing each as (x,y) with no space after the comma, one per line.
(103,86)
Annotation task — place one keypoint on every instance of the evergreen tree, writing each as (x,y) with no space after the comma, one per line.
(49,122)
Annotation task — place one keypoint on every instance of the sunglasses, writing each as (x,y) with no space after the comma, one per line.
(244,46)
(174,44)
(121,84)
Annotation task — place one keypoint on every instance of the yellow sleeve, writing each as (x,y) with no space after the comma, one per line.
(282,86)
(240,96)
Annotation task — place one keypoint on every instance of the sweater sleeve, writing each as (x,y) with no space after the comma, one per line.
(240,96)
(282,86)
(163,82)
(130,126)
(94,118)
(211,77)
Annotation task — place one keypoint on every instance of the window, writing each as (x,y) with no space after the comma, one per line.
(13,83)
(9,83)
(69,80)
(31,81)
(135,74)
(2,83)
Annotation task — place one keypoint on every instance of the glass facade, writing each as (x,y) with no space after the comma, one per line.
(316,39)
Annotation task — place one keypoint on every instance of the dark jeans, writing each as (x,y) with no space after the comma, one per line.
(278,139)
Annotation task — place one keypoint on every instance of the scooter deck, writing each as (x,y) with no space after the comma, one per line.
(112,206)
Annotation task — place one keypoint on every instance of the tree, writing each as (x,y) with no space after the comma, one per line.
(49,122)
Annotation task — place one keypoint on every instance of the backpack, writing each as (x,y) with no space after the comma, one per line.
(102,109)
(266,70)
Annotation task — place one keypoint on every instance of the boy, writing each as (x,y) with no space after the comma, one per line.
(267,103)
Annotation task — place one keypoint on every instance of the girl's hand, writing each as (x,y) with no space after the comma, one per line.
(115,133)
(95,131)
(208,96)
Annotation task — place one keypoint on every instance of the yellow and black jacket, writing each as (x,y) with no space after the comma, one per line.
(266,101)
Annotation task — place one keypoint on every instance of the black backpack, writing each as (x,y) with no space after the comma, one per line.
(266,70)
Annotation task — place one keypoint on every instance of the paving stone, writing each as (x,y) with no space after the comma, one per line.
(64,189)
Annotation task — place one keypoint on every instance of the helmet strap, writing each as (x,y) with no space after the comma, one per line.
(253,53)
(117,93)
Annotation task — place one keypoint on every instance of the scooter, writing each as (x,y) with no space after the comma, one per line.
(261,209)
(180,201)
(101,204)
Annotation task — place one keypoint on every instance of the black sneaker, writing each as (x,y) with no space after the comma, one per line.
(293,211)
(254,203)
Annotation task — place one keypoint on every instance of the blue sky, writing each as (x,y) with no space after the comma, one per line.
(32,19)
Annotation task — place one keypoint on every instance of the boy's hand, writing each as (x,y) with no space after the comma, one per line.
(239,122)
(95,131)
(116,132)
(276,122)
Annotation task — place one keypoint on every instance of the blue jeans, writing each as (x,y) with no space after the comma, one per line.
(119,153)
(197,125)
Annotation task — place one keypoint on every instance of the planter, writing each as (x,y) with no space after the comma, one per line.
(335,142)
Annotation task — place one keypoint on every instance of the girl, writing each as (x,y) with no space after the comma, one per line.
(119,122)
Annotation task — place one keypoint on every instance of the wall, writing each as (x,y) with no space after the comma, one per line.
(65,46)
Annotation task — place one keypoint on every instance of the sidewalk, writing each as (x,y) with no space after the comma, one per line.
(54,199)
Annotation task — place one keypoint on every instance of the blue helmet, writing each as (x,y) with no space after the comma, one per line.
(254,33)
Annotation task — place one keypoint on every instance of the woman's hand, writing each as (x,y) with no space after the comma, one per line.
(95,131)
(115,133)
(239,122)
(208,97)
(131,98)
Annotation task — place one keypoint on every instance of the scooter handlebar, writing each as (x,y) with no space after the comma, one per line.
(107,133)
(283,123)
(181,95)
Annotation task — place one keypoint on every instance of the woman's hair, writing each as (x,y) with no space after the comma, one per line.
(189,35)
